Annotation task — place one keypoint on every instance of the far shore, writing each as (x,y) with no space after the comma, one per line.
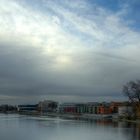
(77,116)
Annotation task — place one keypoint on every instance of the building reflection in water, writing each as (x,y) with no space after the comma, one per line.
(128,129)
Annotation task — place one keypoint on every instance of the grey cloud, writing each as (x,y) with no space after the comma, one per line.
(20,75)
(58,64)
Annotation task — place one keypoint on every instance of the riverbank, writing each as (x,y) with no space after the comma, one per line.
(87,117)
(127,120)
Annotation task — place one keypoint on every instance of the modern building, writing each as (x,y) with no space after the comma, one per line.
(27,107)
(67,108)
(79,108)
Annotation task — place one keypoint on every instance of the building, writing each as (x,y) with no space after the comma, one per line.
(47,106)
(104,110)
(79,108)
(125,111)
(92,107)
(67,108)
(27,107)
(114,106)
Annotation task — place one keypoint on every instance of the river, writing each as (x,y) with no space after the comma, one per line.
(18,127)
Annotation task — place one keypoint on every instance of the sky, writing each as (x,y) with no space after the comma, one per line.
(68,50)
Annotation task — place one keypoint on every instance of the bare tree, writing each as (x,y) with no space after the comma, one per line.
(132,91)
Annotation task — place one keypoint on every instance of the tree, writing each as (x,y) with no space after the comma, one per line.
(132,91)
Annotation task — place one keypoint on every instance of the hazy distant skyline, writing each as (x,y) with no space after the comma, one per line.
(68,50)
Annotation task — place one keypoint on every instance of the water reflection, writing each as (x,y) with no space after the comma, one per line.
(16,127)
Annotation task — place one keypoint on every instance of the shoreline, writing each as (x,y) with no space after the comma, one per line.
(87,117)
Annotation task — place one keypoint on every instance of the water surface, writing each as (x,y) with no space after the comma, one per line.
(17,127)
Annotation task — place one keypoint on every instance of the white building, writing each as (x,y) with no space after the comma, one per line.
(125,111)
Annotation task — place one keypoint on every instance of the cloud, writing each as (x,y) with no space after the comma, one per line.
(63,50)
